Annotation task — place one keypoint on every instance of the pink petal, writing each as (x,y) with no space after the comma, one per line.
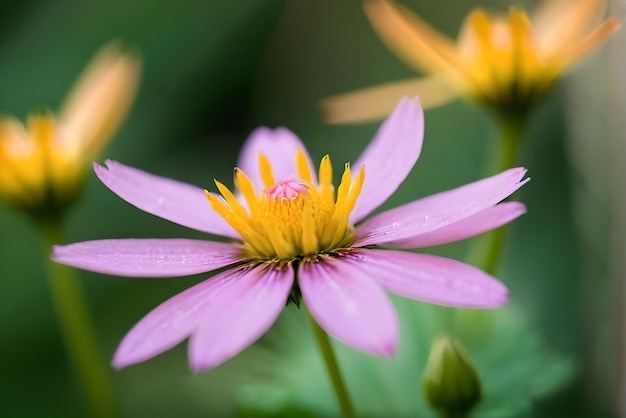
(430,278)
(390,156)
(147,257)
(439,210)
(173,320)
(483,221)
(349,305)
(177,202)
(279,146)
(241,315)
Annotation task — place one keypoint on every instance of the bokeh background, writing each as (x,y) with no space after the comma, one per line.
(213,71)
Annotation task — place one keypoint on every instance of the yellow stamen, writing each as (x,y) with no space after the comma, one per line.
(248,234)
(266,170)
(310,242)
(304,171)
(245,186)
(326,179)
(293,218)
(231,200)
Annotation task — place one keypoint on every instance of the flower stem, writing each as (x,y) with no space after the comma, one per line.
(487,250)
(510,138)
(345,404)
(76,328)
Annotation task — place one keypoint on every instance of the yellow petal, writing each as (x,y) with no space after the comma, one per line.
(58,166)
(304,171)
(560,24)
(100,100)
(478,28)
(326,181)
(310,242)
(14,140)
(484,46)
(376,103)
(412,39)
(529,73)
(265,167)
(231,200)
(245,186)
(20,157)
(593,41)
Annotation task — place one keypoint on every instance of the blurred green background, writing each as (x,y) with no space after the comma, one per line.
(213,71)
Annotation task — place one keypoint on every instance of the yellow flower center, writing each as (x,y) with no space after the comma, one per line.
(503,59)
(292,218)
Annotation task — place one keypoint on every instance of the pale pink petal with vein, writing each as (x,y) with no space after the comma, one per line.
(147,257)
(390,156)
(349,305)
(439,210)
(279,146)
(169,199)
(241,315)
(483,221)
(430,278)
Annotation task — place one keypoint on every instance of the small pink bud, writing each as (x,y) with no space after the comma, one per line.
(288,188)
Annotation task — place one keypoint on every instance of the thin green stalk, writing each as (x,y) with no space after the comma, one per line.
(509,140)
(76,328)
(487,250)
(345,404)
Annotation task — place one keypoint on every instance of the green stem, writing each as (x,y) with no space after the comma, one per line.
(493,252)
(487,250)
(345,404)
(510,138)
(76,328)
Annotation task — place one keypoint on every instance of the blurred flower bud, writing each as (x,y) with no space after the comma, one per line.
(506,63)
(43,164)
(451,383)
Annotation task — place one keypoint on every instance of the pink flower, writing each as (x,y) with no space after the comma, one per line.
(296,238)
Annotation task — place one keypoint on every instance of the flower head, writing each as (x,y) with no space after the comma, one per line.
(504,62)
(296,236)
(42,165)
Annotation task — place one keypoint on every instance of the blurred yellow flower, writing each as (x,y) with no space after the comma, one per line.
(505,63)
(42,165)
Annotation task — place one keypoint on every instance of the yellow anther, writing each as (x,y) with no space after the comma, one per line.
(266,170)
(245,186)
(304,171)
(231,200)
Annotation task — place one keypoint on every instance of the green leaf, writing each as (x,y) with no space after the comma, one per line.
(515,366)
